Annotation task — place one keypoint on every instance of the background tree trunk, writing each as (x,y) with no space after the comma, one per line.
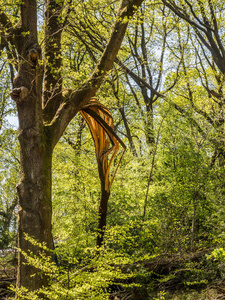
(102,214)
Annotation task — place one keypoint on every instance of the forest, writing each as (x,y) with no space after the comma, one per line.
(112,149)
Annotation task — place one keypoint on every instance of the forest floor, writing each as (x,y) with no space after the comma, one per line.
(8,266)
(193,276)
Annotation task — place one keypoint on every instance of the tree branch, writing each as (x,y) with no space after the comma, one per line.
(75,100)
(53,62)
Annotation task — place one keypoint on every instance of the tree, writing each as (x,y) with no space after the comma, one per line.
(140,67)
(204,23)
(44,112)
(101,126)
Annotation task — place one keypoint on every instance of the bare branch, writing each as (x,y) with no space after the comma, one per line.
(183,14)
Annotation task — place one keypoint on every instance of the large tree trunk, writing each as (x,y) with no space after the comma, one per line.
(35,209)
(34,188)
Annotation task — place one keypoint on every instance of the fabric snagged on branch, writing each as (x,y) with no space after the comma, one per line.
(100,123)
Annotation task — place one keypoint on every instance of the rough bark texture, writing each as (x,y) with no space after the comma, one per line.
(34,193)
(53,60)
(128,132)
(102,212)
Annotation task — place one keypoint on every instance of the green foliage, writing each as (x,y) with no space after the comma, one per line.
(8,179)
(185,202)
(161,296)
(91,278)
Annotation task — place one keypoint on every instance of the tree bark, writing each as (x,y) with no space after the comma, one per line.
(128,132)
(102,214)
(35,208)
(115,88)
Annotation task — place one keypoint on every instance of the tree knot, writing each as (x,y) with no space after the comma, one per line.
(34,55)
(19,94)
